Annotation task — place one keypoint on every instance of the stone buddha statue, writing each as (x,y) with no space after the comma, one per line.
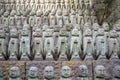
(24,45)
(83,73)
(100,72)
(95,28)
(18,20)
(101,45)
(116,73)
(80,18)
(93,17)
(3,46)
(52,18)
(66,73)
(88,47)
(14,73)
(39,15)
(113,45)
(33,73)
(48,42)
(66,18)
(32,19)
(46,18)
(59,18)
(13,45)
(12,19)
(37,44)
(73,17)
(62,45)
(76,42)
(49,73)
(87,17)
(5,18)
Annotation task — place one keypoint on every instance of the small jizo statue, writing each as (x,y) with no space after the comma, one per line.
(87,17)
(1,74)
(88,44)
(5,18)
(59,18)
(14,73)
(100,72)
(113,45)
(101,45)
(37,44)
(66,18)
(46,18)
(13,45)
(12,18)
(32,19)
(3,46)
(49,73)
(73,17)
(116,72)
(52,18)
(33,73)
(76,43)
(66,73)
(49,43)
(83,73)
(62,45)
(25,45)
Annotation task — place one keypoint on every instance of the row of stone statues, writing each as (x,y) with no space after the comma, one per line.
(48,73)
(45,4)
(51,18)
(64,44)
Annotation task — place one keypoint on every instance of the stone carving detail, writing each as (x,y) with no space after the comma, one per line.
(25,45)
(83,73)
(66,73)
(14,73)
(33,73)
(49,73)
(100,72)
(116,72)
(13,45)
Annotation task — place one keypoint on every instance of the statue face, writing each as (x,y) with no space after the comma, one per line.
(49,72)
(14,72)
(100,71)
(96,26)
(117,71)
(13,33)
(65,72)
(83,71)
(33,72)
(105,26)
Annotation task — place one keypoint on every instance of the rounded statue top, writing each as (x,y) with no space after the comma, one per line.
(33,72)
(66,72)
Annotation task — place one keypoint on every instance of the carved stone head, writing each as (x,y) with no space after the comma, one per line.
(59,12)
(33,72)
(83,71)
(101,32)
(116,27)
(116,72)
(14,72)
(96,26)
(113,34)
(14,33)
(100,71)
(105,26)
(49,72)
(88,32)
(37,33)
(13,12)
(66,72)
(25,32)
(65,12)
(6,13)
(39,13)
